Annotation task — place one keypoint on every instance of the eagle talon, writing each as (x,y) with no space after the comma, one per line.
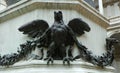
(50,59)
(67,59)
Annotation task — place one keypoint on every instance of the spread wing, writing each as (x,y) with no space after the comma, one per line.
(35,28)
(78,26)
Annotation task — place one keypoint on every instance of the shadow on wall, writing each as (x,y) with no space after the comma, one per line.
(10,2)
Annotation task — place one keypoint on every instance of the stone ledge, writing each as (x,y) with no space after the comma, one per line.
(114,23)
(113,28)
(78,65)
(25,6)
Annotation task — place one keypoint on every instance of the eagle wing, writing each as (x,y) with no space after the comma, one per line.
(35,28)
(78,26)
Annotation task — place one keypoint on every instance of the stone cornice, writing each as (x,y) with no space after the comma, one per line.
(80,6)
(93,14)
(113,28)
(114,23)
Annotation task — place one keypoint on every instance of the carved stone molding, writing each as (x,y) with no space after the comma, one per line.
(81,6)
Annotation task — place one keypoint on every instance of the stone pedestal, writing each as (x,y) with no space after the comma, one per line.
(37,66)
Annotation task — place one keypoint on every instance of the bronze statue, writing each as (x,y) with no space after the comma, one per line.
(57,37)
(59,40)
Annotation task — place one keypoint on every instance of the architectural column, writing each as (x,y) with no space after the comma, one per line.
(100,3)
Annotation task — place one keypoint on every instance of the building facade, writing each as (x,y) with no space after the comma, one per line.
(103,20)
